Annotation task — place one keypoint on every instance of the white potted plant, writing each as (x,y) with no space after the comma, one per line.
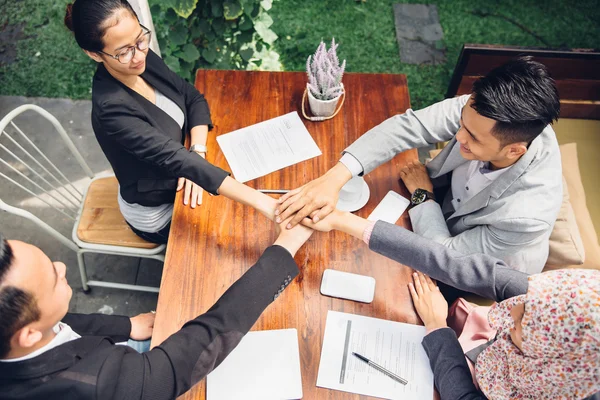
(324,87)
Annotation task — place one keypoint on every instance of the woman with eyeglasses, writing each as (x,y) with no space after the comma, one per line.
(141,114)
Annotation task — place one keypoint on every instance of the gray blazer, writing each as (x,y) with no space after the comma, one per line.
(511,219)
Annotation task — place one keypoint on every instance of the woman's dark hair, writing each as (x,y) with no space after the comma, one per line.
(17,307)
(521,96)
(87,20)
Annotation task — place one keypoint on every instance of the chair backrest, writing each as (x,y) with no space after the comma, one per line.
(576,72)
(25,166)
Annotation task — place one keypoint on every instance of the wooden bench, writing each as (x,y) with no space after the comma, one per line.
(576,72)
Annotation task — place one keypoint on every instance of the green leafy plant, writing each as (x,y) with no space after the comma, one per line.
(221,34)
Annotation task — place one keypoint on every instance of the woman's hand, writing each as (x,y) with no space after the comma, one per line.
(327,224)
(192,193)
(316,199)
(142,326)
(292,239)
(429,301)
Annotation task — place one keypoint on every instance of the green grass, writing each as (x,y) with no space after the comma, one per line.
(367,37)
(49,62)
(365,32)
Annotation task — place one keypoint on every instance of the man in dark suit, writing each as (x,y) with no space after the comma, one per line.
(46,352)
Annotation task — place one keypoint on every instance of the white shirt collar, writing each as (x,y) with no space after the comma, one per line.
(64,334)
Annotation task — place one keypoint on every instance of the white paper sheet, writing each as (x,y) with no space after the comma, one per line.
(264,366)
(393,345)
(268,146)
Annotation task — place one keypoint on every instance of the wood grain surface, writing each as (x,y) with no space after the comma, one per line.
(212,246)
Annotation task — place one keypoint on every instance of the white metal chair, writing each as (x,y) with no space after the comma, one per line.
(98,225)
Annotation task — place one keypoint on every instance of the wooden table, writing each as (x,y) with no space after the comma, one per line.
(212,246)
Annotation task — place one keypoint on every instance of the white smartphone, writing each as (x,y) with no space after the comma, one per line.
(348,286)
(390,208)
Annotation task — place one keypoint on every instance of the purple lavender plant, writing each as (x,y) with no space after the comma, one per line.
(325,72)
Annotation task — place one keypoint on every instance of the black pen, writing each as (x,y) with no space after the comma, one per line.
(381,369)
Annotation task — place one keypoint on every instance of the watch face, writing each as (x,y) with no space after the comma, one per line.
(418,196)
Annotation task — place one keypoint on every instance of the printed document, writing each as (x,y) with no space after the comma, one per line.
(264,366)
(393,345)
(268,146)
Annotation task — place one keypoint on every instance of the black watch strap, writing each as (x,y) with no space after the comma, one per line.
(420,196)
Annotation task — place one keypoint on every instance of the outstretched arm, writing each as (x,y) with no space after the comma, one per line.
(187,356)
(476,273)
(317,199)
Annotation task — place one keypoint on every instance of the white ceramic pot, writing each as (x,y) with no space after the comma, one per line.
(322,108)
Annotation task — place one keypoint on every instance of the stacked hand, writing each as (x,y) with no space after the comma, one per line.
(429,301)
(315,200)
(292,239)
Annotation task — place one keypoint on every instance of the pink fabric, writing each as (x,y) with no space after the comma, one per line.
(561,340)
(367,232)
(470,323)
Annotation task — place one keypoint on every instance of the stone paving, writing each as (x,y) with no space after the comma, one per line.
(75,118)
(419,34)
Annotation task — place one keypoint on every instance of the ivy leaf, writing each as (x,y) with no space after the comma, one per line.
(262,24)
(264,19)
(155,9)
(246,24)
(246,54)
(187,66)
(232,9)
(183,8)
(217,8)
(218,26)
(178,35)
(189,53)
(171,16)
(173,63)
(266,4)
(251,9)
(209,55)
(201,28)
(246,37)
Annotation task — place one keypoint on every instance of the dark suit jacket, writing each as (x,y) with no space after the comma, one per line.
(143,144)
(92,367)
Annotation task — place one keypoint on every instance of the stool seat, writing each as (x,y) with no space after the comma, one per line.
(101,221)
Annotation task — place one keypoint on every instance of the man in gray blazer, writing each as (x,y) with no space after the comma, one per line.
(501,168)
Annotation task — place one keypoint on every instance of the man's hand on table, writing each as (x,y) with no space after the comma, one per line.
(292,239)
(415,177)
(315,200)
(142,326)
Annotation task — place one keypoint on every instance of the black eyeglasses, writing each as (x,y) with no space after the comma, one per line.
(127,54)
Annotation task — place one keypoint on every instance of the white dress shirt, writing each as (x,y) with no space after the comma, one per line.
(471,178)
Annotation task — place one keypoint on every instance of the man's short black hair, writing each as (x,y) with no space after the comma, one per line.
(17,307)
(521,96)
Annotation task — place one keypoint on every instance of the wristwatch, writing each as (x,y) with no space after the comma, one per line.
(199,148)
(420,196)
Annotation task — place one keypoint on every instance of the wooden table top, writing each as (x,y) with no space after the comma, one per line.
(212,246)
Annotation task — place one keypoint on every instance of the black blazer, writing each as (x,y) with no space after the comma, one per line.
(143,144)
(92,367)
